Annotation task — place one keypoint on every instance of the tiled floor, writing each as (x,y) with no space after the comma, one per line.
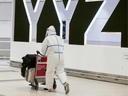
(12,84)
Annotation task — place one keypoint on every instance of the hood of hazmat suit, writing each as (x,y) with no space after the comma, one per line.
(50,31)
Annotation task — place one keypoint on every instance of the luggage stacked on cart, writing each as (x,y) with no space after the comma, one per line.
(29,61)
(34,70)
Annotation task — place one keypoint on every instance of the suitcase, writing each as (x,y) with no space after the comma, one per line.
(29,61)
(29,75)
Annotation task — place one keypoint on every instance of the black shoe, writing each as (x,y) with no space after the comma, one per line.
(45,89)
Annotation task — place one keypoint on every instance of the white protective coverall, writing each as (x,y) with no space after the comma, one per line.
(53,47)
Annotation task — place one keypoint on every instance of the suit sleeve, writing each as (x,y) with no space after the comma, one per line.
(44,46)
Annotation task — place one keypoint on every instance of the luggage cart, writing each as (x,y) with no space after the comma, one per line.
(37,75)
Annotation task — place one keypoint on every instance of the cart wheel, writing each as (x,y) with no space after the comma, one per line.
(35,81)
(36,87)
(30,84)
(33,87)
(54,86)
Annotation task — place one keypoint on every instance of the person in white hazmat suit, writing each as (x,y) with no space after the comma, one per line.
(53,47)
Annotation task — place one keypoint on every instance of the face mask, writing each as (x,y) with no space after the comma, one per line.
(46,33)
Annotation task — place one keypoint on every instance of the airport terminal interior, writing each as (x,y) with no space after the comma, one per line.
(95,38)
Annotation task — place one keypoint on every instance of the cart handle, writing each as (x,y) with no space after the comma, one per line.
(38,52)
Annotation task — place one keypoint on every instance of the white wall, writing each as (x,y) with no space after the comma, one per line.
(20,49)
(92,58)
(5,19)
(97,58)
